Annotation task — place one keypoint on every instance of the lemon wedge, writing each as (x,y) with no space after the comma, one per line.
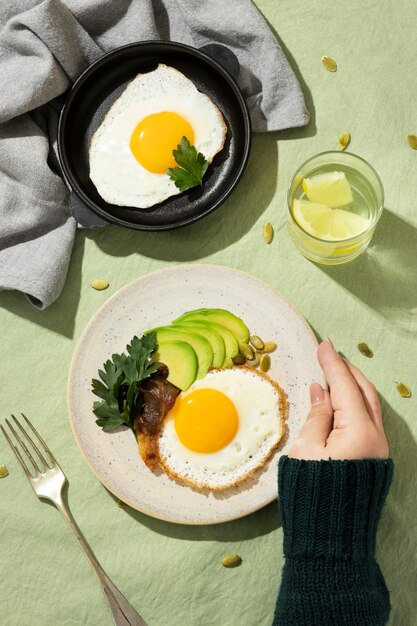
(331,189)
(323,222)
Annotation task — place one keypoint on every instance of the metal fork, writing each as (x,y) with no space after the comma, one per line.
(48,480)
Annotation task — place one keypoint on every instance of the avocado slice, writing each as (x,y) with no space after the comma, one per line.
(216,340)
(230,341)
(181,360)
(200,345)
(220,316)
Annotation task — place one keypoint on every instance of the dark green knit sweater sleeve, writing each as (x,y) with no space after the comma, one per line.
(330,512)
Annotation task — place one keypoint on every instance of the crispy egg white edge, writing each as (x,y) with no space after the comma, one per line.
(248,467)
(165,187)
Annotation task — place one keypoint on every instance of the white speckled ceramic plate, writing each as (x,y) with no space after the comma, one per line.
(157,299)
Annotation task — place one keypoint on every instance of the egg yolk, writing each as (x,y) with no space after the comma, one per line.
(206,420)
(156,136)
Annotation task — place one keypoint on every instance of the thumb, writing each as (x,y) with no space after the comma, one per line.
(319,423)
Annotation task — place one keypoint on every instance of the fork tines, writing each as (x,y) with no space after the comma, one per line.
(37,468)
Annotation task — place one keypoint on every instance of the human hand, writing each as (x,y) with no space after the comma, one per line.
(345,422)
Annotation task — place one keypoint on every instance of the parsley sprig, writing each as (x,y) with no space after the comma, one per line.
(120,378)
(193,166)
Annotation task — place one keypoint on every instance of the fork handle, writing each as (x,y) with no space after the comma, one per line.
(123,612)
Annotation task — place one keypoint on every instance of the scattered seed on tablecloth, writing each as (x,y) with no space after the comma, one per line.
(329,63)
(403,390)
(121,504)
(231,560)
(268,232)
(343,140)
(365,350)
(412,141)
(100,284)
(3,471)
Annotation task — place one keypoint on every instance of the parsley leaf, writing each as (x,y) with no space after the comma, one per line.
(193,166)
(120,378)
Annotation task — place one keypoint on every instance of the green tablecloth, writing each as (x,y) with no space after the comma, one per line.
(171,573)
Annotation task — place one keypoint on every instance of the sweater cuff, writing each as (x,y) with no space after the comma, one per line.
(331,508)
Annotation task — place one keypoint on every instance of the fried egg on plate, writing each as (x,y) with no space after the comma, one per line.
(222,428)
(132,148)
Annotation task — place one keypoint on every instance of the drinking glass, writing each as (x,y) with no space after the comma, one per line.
(368,200)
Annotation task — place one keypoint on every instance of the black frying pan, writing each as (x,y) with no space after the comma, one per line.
(103,82)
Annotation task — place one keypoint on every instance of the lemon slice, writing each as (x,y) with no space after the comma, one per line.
(332,189)
(323,222)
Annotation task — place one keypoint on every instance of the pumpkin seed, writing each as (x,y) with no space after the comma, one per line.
(403,390)
(257,342)
(231,560)
(255,361)
(365,350)
(269,346)
(343,140)
(329,63)
(239,359)
(3,471)
(246,350)
(265,363)
(100,284)
(268,232)
(412,141)
(121,504)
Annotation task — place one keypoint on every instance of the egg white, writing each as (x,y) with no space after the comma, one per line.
(261,407)
(119,178)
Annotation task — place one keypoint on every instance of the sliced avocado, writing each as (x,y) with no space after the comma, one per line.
(200,345)
(181,360)
(220,316)
(216,340)
(230,341)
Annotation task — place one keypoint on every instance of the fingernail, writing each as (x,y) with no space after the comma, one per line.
(316,394)
(329,341)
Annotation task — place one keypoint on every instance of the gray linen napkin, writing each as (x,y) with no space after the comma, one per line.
(44,47)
